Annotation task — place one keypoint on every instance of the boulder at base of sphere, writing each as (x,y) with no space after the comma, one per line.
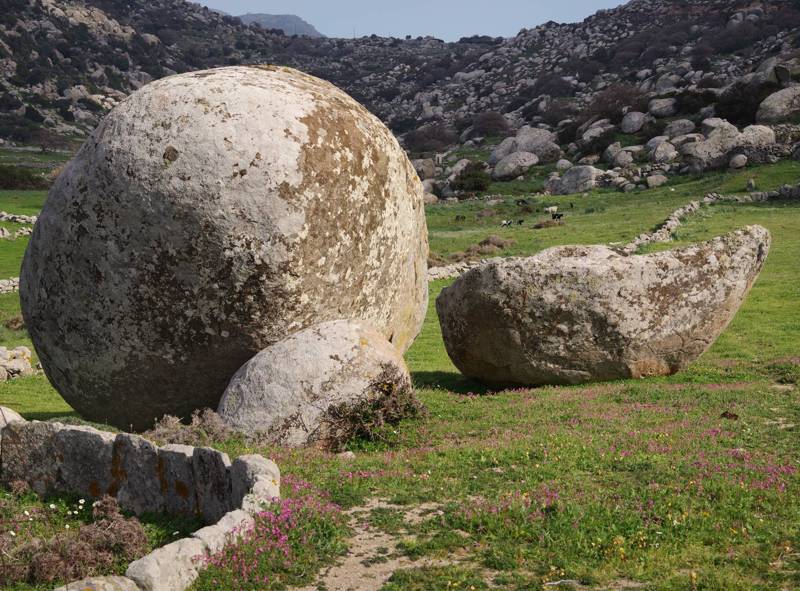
(209,216)
(577,314)
(323,384)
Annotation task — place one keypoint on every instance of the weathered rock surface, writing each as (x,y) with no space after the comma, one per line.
(514,165)
(578,179)
(102,584)
(780,107)
(305,388)
(210,215)
(633,122)
(577,314)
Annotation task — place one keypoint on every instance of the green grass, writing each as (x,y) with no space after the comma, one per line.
(630,481)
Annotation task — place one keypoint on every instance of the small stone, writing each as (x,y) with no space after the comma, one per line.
(170,568)
(102,584)
(738,161)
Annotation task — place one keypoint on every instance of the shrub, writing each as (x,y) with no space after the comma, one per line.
(434,137)
(21,179)
(490,124)
(472,178)
(739,103)
(691,101)
(553,85)
(609,103)
(558,110)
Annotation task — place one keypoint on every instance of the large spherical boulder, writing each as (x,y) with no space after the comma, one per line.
(576,314)
(320,385)
(210,215)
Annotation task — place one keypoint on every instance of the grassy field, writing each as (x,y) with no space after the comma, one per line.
(686,482)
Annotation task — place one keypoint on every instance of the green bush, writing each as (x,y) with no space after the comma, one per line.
(21,179)
(472,178)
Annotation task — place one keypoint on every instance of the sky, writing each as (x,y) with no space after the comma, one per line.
(445,19)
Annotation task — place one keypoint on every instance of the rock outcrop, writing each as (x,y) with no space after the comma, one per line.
(780,107)
(318,386)
(588,313)
(211,215)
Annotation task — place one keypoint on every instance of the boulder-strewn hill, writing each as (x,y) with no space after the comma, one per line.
(288,23)
(64,62)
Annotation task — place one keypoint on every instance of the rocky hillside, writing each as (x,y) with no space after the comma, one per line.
(288,23)
(63,63)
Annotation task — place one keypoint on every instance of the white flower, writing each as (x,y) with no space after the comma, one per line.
(26,513)
(12,534)
(52,506)
(82,501)
(66,526)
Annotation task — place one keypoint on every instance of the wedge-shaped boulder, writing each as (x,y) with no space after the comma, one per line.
(577,314)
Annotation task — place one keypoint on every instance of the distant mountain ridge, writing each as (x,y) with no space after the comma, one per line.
(290,24)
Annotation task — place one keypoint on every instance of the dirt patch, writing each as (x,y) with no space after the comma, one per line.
(374,556)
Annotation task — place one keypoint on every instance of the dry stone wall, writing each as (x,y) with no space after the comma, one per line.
(174,479)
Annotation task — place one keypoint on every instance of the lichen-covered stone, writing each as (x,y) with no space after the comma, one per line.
(212,485)
(574,314)
(210,215)
(232,526)
(249,470)
(171,567)
(309,387)
(102,584)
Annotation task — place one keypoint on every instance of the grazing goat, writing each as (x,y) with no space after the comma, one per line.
(521,202)
(506,224)
(461,218)
(558,216)
(520,222)
(551,210)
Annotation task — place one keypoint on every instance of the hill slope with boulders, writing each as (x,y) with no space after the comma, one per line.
(290,24)
(64,63)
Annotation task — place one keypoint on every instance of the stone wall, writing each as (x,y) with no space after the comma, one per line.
(144,478)
(175,479)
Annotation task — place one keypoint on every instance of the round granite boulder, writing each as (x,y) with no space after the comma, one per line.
(210,215)
(321,385)
(576,314)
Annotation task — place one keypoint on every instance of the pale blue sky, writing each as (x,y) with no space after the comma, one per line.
(446,19)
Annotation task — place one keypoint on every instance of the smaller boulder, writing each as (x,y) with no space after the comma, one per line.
(8,416)
(563,164)
(323,385)
(633,122)
(665,107)
(514,165)
(426,168)
(656,180)
(679,127)
(780,107)
(738,161)
(578,179)
(663,153)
